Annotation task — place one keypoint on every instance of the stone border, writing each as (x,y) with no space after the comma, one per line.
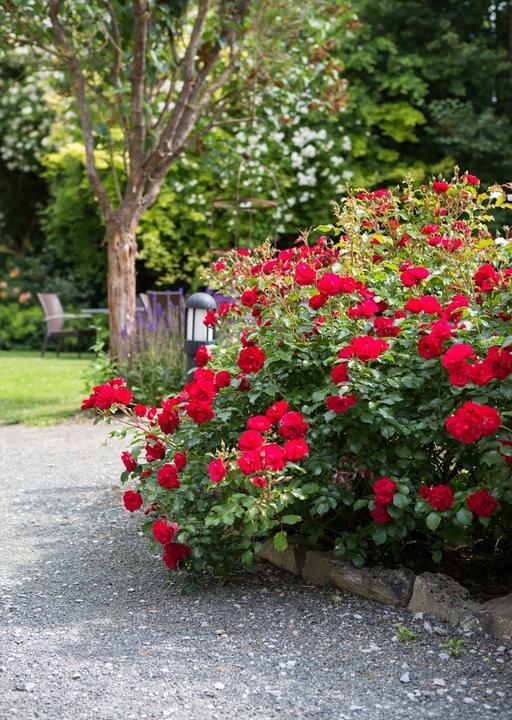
(431,593)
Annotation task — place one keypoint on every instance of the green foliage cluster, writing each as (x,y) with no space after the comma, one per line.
(20,327)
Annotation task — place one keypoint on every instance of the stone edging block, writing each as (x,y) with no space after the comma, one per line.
(431,593)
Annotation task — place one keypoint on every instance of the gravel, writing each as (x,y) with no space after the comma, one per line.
(91,626)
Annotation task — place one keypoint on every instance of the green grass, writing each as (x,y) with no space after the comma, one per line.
(40,391)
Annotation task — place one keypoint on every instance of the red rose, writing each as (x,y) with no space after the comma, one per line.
(304,274)
(222,379)
(459,375)
(274,457)
(385,327)
(202,375)
(199,412)
(249,298)
(292,425)
(472,421)
(201,391)
(429,347)
(429,229)
(251,359)
(162,532)
(480,373)
(174,553)
(216,470)
(259,481)
(440,497)
(384,489)
(108,394)
(317,301)
(250,440)
(368,348)
(413,275)
(486,277)
(180,461)
(440,187)
(481,503)
(260,423)
(457,354)
(128,461)
(339,374)
(140,410)
(340,404)
(132,500)
(154,452)
(168,421)
(471,179)
(425,303)
(499,362)
(296,449)
(380,515)
(202,356)
(250,462)
(331,284)
(244,383)
(276,411)
(210,319)
(167,477)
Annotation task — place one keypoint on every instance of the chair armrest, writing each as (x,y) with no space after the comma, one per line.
(66,316)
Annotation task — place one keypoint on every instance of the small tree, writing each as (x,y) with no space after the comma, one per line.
(143,75)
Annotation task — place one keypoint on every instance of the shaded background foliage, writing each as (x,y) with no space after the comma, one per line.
(369,93)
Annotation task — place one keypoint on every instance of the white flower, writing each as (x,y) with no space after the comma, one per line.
(307,178)
(297,160)
(337,160)
(276,136)
(309,151)
(346,143)
(347,174)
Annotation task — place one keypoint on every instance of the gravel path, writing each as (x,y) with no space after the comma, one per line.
(91,627)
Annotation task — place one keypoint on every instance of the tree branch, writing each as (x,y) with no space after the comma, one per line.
(138,125)
(71,60)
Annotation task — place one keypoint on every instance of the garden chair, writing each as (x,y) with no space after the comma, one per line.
(55,320)
(146,304)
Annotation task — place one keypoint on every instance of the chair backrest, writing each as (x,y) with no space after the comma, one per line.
(144,299)
(53,312)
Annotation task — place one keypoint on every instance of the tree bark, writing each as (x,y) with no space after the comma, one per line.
(122,249)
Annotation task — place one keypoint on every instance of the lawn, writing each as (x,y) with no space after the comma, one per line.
(40,391)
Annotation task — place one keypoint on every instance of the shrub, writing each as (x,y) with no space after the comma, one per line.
(20,327)
(366,401)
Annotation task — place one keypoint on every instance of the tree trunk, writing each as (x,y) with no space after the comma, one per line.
(122,293)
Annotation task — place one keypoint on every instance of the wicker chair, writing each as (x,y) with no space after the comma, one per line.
(55,321)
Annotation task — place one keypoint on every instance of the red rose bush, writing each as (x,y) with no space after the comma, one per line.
(359,392)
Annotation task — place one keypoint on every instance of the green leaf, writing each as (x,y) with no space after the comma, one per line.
(358,560)
(464,516)
(280,541)
(399,500)
(433,520)
(247,557)
(379,536)
(291,519)
(360,504)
